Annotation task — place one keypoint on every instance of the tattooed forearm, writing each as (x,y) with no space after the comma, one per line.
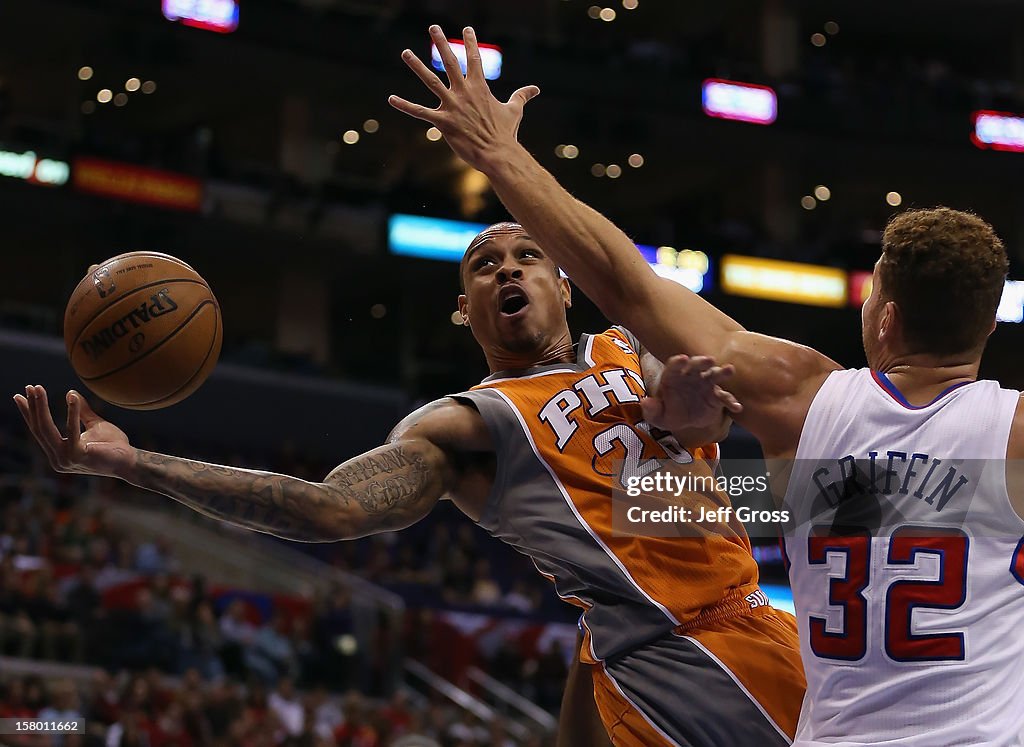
(385,489)
(392,480)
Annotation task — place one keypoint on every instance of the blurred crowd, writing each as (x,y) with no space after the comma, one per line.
(148,709)
(75,589)
(246,668)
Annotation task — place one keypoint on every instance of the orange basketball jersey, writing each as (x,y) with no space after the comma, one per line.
(562,434)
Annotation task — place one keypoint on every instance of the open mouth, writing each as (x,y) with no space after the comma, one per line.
(512,300)
(514,305)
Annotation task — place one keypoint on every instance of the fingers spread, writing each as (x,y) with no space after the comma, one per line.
(681,363)
(74,424)
(681,366)
(719,374)
(22,404)
(728,400)
(474,65)
(424,73)
(415,110)
(520,96)
(701,363)
(47,427)
(30,411)
(89,418)
(448,58)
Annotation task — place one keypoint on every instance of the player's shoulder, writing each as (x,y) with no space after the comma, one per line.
(776,381)
(1015,445)
(621,340)
(785,368)
(451,422)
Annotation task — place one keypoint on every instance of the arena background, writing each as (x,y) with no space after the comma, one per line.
(266,156)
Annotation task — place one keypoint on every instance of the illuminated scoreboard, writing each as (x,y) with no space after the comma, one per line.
(212,15)
(998,131)
(743,102)
(447,240)
(687,267)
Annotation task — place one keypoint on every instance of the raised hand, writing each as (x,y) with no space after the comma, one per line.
(689,398)
(472,120)
(101,449)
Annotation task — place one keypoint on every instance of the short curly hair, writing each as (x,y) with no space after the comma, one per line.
(945,270)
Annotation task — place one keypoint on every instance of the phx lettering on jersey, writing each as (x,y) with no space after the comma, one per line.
(558,411)
(159,304)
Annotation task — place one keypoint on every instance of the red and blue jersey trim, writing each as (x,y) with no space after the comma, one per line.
(883,381)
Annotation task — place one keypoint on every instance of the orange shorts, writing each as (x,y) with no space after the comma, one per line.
(737,681)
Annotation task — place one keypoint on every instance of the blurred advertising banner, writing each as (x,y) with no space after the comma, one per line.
(860,287)
(29,167)
(123,181)
(1011,303)
(775,280)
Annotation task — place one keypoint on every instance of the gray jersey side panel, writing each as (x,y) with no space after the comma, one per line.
(527,510)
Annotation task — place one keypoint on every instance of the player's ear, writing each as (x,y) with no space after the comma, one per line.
(888,321)
(566,290)
(464,309)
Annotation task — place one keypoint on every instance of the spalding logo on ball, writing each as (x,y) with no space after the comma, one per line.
(143,330)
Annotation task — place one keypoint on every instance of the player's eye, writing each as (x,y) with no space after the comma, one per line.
(530,253)
(482,262)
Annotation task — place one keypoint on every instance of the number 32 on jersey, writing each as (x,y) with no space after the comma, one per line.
(908,545)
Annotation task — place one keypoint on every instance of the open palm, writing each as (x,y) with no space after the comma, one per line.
(101,449)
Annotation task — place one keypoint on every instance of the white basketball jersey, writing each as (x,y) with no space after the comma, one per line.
(907,566)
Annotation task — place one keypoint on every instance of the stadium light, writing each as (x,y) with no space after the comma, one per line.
(27,166)
(1011,304)
(212,15)
(998,131)
(743,102)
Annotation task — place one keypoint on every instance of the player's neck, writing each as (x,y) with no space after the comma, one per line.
(922,377)
(556,350)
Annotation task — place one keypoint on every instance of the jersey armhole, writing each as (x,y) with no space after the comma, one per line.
(492,409)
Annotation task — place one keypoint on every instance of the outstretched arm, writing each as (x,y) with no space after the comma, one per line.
(388,488)
(775,379)
(384,489)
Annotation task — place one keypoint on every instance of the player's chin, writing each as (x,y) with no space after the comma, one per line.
(516,325)
(519,340)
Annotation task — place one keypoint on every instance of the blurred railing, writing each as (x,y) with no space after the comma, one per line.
(509,702)
(467,702)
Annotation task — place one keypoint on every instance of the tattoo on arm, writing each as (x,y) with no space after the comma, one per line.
(392,479)
(384,489)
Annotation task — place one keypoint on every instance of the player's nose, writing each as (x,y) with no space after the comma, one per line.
(507,273)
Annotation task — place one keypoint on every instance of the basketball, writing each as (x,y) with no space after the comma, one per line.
(142,330)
